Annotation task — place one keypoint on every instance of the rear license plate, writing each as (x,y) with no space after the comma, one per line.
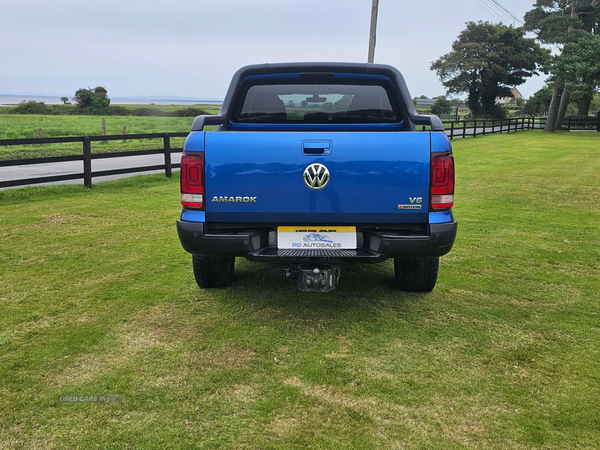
(316,237)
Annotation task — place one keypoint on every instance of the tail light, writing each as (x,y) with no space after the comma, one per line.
(192,181)
(441,182)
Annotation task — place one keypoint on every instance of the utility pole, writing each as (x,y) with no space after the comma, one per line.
(374,9)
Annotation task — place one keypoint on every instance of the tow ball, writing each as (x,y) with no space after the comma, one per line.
(315,279)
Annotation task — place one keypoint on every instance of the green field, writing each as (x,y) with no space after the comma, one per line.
(210,108)
(18,126)
(97,297)
(26,126)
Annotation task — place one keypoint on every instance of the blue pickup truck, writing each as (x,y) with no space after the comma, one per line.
(315,165)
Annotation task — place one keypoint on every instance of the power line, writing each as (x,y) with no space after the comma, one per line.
(500,11)
(489,10)
(506,11)
(517,19)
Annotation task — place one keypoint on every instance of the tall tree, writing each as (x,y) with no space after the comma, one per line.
(566,92)
(573,25)
(579,66)
(486,61)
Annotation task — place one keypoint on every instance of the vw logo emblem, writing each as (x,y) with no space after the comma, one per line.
(316,176)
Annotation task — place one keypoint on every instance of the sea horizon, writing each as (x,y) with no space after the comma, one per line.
(13,100)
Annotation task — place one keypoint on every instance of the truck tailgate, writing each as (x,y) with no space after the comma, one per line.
(374,177)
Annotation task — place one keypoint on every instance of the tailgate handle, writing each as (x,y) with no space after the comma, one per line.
(316,147)
(314,150)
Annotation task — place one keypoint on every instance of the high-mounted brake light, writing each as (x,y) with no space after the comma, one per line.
(441,194)
(192,181)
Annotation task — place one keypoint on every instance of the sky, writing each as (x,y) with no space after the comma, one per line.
(191,48)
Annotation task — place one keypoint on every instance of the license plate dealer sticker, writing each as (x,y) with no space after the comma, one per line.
(316,237)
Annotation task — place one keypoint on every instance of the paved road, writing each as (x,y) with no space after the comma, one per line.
(41,170)
(61,168)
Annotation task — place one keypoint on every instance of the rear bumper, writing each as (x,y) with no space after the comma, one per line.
(261,245)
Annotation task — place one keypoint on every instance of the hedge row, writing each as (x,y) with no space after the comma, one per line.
(113,110)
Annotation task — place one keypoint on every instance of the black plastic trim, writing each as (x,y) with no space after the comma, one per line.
(196,240)
(274,255)
(375,246)
(439,242)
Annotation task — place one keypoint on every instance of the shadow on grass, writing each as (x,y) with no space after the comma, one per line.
(364,291)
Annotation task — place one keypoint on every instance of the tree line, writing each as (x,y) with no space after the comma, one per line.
(488,59)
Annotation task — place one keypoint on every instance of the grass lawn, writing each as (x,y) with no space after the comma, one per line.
(97,297)
(21,126)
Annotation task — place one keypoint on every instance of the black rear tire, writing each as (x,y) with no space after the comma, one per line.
(416,274)
(211,272)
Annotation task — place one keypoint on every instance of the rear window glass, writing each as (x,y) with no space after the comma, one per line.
(316,103)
